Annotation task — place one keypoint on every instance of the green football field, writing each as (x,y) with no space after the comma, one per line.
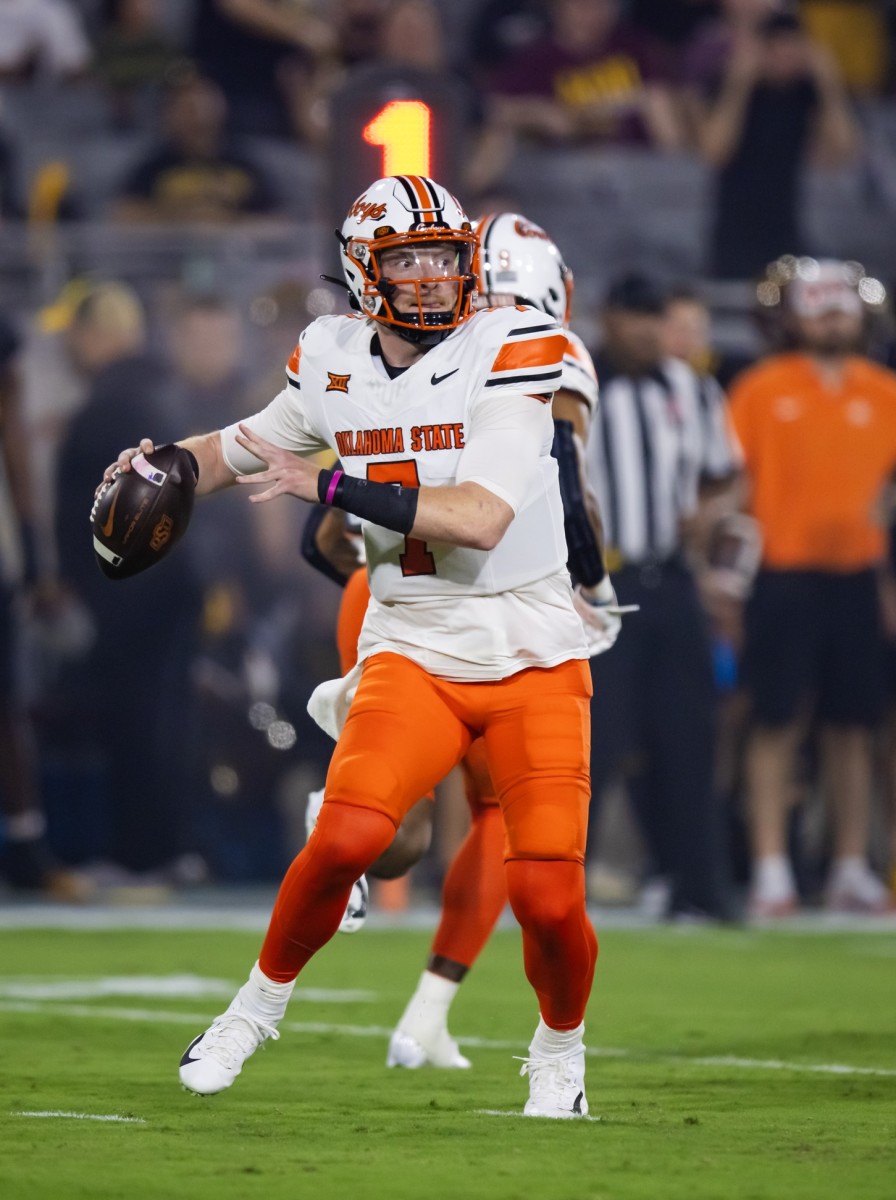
(731,1065)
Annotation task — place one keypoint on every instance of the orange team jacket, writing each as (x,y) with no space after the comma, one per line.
(818,460)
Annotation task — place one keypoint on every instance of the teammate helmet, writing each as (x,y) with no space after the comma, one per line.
(517,259)
(417,215)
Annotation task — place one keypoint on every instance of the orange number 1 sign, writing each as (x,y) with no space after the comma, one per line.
(416,559)
(402,128)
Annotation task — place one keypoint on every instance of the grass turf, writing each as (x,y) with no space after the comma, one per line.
(699,1038)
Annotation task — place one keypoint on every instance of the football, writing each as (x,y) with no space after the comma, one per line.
(139,515)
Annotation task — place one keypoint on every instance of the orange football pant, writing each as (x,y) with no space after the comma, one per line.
(405,731)
(475,889)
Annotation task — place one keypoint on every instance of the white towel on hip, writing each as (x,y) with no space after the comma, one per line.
(329,703)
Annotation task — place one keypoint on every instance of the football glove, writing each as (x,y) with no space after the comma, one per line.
(601,614)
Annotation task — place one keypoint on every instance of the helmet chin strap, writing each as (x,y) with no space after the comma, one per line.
(422,335)
(340,283)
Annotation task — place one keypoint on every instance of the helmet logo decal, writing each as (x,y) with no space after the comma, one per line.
(364,210)
(529,229)
(338,383)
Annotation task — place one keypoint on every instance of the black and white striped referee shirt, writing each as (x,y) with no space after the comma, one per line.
(655,437)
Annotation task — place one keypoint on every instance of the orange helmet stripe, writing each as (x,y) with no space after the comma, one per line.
(426,201)
(293,364)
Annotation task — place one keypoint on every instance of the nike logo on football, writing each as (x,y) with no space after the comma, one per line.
(106,529)
(439,378)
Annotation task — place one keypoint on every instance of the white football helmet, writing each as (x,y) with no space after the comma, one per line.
(412,213)
(519,264)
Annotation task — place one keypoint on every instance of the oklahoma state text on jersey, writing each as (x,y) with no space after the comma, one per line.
(470,409)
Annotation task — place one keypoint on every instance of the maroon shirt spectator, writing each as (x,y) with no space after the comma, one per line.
(594,79)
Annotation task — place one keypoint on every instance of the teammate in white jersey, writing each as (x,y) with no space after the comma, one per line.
(519,264)
(442,420)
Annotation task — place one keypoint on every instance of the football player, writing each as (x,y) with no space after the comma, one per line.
(519,264)
(441,418)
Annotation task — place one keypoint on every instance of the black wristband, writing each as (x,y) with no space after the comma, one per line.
(388,505)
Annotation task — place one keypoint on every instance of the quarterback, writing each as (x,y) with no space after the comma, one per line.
(441,417)
(518,264)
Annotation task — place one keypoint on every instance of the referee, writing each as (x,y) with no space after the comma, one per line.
(658,444)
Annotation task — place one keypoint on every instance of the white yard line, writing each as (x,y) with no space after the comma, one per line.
(167,1017)
(83,1117)
(169,987)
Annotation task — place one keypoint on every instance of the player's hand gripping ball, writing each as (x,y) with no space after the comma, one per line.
(140,514)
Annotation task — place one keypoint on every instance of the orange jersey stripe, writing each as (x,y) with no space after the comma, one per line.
(581,356)
(293,364)
(537,352)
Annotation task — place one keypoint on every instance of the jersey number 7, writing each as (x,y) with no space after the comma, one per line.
(416,559)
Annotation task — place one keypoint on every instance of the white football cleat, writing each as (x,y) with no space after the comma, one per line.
(356,909)
(213,1060)
(556,1085)
(359,900)
(440,1051)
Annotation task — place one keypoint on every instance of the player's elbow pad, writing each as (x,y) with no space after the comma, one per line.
(585,560)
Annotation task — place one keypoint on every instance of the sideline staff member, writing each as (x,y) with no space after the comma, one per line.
(658,438)
(818,429)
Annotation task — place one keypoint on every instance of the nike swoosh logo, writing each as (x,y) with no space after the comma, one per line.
(577,1106)
(106,530)
(186,1058)
(439,378)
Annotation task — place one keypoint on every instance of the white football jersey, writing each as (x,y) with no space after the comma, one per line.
(579,375)
(473,408)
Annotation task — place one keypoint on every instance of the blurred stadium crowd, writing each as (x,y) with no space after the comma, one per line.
(170,175)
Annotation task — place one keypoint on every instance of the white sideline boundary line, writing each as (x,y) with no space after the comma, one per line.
(250,916)
(82,1116)
(161,1016)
